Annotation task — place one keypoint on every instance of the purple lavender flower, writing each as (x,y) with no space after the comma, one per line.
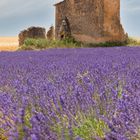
(70,94)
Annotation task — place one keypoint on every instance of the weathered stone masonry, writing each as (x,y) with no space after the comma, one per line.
(91,20)
(32,32)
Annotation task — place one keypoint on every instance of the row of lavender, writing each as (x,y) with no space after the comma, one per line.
(70,94)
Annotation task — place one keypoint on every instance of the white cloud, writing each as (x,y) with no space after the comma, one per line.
(10,8)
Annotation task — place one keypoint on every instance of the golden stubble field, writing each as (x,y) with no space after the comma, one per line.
(8,43)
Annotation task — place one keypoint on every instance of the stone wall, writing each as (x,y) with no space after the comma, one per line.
(32,32)
(51,33)
(91,20)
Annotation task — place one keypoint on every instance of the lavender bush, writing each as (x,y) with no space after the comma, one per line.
(70,94)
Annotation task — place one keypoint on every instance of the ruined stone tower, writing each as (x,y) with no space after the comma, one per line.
(90,20)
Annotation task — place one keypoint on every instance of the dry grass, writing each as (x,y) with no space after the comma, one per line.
(8,43)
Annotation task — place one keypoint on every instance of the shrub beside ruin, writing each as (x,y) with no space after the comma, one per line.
(32,32)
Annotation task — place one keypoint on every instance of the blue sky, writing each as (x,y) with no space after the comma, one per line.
(16,15)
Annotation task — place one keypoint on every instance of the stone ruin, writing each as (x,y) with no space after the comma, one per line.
(32,32)
(90,21)
(50,33)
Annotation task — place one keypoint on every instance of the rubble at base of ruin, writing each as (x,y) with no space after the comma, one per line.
(31,32)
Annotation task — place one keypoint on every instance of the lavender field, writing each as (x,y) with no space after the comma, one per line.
(70,94)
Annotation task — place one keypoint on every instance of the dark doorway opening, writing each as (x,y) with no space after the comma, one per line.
(62,37)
